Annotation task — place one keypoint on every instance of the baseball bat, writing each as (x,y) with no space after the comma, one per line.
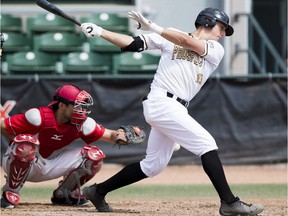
(55,10)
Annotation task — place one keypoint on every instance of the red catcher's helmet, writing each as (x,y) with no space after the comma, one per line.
(209,16)
(70,94)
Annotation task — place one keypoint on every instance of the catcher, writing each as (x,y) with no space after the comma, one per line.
(47,156)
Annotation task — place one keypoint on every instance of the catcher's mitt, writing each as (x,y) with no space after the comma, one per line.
(133,135)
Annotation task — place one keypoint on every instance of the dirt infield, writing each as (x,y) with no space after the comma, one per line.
(276,174)
(143,208)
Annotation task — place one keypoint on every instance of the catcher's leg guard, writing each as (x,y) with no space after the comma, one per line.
(20,158)
(68,192)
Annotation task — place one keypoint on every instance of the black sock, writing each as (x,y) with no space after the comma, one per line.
(128,175)
(213,167)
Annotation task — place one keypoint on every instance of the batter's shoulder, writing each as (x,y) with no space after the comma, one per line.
(216,46)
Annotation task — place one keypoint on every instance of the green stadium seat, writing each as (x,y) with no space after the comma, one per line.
(58,43)
(31,63)
(48,22)
(136,63)
(110,21)
(15,42)
(83,62)
(100,45)
(10,23)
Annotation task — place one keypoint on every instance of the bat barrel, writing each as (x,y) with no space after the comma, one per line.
(55,10)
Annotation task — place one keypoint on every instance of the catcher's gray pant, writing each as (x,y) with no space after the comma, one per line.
(171,124)
(57,165)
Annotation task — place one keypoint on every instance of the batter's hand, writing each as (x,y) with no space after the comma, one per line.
(144,24)
(91,30)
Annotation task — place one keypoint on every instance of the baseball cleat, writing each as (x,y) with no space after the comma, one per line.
(5,203)
(240,208)
(70,202)
(97,200)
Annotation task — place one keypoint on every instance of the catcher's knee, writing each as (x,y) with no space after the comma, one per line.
(24,147)
(92,153)
(93,158)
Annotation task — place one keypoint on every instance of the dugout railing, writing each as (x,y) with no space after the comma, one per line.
(266,47)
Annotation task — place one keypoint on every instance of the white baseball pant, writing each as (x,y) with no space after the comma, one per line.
(171,124)
(56,165)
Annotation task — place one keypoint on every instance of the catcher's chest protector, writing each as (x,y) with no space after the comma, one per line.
(54,136)
(48,117)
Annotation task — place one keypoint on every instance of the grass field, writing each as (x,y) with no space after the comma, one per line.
(156,200)
(184,191)
(147,192)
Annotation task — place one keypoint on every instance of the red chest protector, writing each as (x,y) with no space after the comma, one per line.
(54,135)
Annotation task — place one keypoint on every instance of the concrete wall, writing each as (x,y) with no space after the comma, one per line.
(182,14)
(237,62)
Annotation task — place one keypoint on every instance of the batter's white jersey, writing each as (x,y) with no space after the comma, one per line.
(182,72)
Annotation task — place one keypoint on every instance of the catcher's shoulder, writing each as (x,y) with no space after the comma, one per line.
(88,126)
(33,116)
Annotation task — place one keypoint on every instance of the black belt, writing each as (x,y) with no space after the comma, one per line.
(181,101)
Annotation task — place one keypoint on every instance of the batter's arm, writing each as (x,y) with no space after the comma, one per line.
(117,39)
(173,36)
(184,40)
(92,30)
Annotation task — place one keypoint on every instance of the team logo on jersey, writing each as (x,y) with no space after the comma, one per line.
(5,110)
(56,137)
(188,55)
(211,45)
(199,78)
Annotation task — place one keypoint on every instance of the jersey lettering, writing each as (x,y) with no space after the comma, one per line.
(186,54)
(199,78)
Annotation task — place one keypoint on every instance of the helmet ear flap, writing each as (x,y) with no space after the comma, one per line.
(205,21)
(209,22)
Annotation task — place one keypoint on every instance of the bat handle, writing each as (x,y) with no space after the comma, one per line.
(77,22)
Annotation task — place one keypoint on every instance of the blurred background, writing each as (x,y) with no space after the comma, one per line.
(243,105)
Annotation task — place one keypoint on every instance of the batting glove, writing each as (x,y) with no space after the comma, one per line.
(91,30)
(144,24)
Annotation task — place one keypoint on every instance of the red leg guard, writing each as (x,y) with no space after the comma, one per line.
(92,162)
(23,153)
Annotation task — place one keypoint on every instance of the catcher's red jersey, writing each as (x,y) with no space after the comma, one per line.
(52,134)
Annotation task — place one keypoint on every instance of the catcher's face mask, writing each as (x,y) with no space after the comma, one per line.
(81,109)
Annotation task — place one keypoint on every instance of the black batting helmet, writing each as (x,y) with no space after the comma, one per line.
(209,16)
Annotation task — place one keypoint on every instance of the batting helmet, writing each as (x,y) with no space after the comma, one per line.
(209,16)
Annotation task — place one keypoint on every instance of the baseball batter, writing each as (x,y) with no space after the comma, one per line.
(187,61)
(46,157)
